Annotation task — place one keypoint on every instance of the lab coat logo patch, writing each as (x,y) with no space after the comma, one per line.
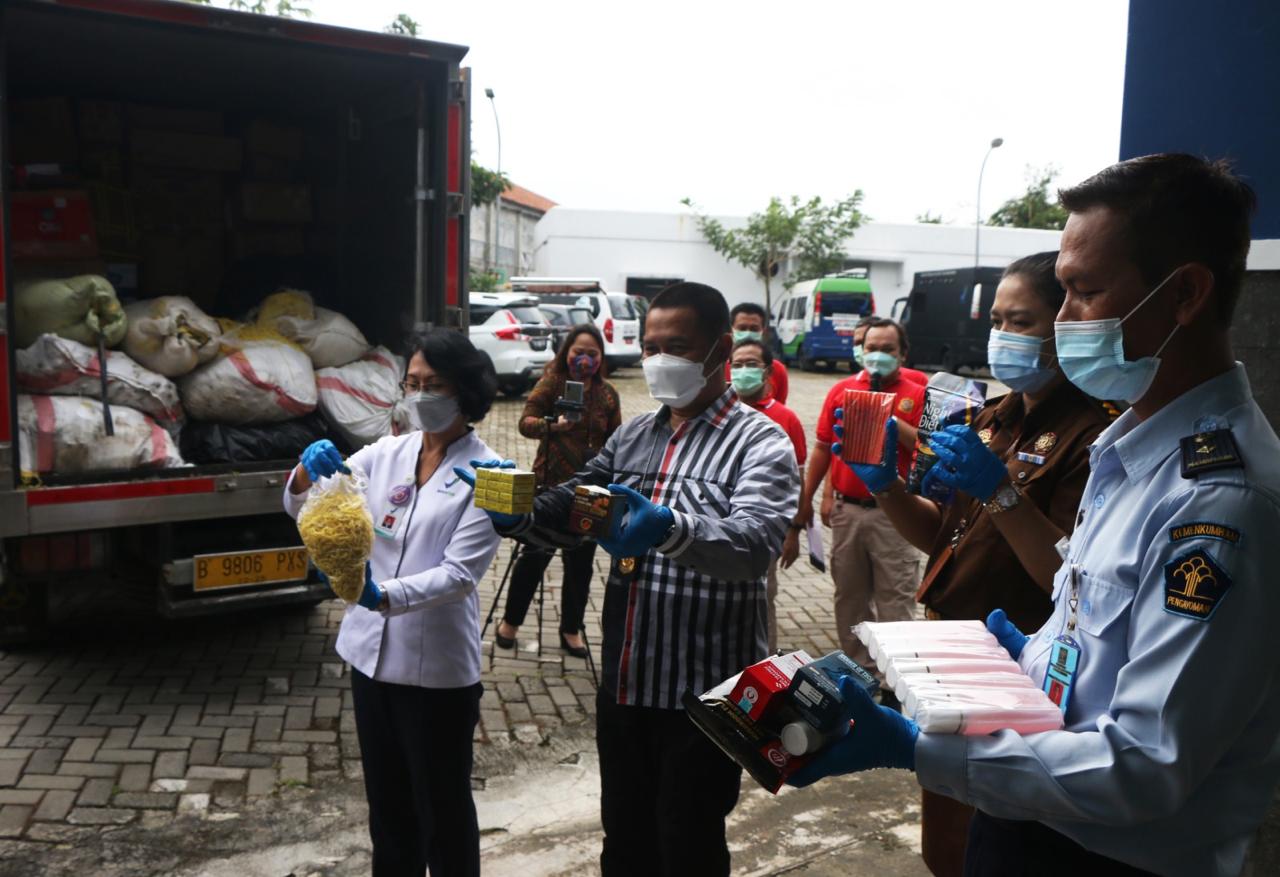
(1194,584)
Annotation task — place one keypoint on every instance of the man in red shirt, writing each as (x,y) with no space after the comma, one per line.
(860,335)
(749,323)
(875,570)
(748,367)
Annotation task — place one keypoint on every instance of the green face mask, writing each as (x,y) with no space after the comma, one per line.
(857,355)
(742,335)
(747,380)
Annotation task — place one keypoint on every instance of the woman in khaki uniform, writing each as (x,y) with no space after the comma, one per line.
(998,551)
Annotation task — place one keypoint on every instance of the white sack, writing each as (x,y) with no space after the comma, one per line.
(359,400)
(58,366)
(65,435)
(256,380)
(170,335)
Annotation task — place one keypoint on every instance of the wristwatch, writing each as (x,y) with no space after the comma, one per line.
(1006,497)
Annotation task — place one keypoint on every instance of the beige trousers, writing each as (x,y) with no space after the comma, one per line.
(876,573)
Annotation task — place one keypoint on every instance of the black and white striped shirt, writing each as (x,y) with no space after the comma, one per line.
(693,611)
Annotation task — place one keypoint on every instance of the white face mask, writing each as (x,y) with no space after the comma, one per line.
(674,380)
(431,412)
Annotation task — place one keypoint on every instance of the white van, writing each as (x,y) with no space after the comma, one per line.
(613,312)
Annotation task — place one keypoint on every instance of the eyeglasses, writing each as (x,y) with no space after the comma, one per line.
(410,387)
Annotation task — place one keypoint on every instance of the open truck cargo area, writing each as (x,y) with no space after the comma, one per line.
(169,149)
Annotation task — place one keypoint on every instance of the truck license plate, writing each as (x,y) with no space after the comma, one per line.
(238,568)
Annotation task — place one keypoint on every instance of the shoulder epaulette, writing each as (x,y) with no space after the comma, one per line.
(1208,451)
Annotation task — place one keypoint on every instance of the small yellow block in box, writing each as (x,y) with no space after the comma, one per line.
(508,491)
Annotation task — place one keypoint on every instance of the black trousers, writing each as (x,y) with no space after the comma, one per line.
(415,744)
(1011,848)
(665,790)
(578,571)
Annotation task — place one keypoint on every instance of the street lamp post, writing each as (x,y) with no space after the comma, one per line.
(977,226)
(497,214)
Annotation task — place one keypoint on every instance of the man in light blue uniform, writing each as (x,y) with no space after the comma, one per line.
(1167,598)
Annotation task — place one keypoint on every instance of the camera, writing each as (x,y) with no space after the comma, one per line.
(570,404)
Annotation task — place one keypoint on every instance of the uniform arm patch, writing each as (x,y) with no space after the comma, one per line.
(1204,530)
(1194,584)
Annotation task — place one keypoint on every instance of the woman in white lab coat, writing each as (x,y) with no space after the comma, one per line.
(413,639)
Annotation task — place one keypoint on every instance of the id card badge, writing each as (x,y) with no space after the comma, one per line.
(387,524)
(1060,675)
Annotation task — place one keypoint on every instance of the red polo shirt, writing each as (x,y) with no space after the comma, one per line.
(915,375)
(785,418)
(908,407)
(779,383)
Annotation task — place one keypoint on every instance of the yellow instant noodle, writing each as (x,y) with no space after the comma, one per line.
(338,531)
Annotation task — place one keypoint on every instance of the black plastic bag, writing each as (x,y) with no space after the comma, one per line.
(219,443)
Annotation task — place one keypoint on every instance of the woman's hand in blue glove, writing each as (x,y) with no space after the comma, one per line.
(372,593)
(880,737)
(644,526)
(321,459)
(1006,633)
(875,477)
(500,520)
(965,463)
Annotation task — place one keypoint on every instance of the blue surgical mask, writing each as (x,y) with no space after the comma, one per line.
(882,364)
(1015,361)
(857,355)
(744,335)
(1091,352)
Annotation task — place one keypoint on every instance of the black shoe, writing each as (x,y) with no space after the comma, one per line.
(503,642)
(574,651)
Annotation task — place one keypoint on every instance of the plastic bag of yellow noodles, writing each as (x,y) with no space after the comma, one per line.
(337,529)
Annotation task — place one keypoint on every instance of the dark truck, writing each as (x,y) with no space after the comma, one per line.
(355,146)
(948,317)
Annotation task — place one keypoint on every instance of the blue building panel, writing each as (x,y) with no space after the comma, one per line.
(1203,76)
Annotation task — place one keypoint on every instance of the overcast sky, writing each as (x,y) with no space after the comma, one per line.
(635,106)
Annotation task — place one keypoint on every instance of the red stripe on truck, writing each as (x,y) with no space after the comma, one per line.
(123,490)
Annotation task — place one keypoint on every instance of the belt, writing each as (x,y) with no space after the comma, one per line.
(869,503)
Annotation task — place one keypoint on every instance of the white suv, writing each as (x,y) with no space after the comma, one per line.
(613,313)
(515,334)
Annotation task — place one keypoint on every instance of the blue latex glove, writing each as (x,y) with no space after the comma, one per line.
(644,526)
(500,520)
(1006,633)
(880,737)
(321,459)
(876,478)
(964,463)
(373,593)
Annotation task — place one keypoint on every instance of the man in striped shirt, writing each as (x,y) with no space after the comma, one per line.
(713,487)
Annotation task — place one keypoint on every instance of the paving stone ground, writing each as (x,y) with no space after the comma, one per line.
(128,719)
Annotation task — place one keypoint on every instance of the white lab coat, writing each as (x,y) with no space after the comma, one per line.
(440,548)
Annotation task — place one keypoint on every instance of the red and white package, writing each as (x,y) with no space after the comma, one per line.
(865,414)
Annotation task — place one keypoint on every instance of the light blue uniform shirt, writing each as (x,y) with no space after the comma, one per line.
(1171,751)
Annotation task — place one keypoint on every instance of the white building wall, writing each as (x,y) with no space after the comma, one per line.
(615,245)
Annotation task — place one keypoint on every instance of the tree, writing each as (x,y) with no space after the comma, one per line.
(810,233)
(929,218)
(282,8)
(486,185)
(484,281)
(1032,209)
(403,26)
